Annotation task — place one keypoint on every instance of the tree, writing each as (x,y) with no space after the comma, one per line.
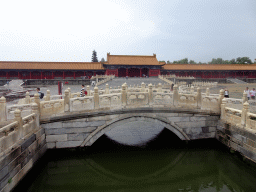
(232,61)
(94,56)
(192,62)
(243,60)
(168,62)
(182,61)
(102,60)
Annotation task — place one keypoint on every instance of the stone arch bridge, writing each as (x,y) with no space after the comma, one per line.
(84,129)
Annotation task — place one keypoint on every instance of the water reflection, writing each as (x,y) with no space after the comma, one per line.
(166,165)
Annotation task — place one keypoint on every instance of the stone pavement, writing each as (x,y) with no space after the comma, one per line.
(131,81)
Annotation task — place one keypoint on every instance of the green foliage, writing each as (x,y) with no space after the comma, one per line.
(182,61)
(192,62)
(102,60)
(243,60)
(10,180)
(94,56)
(168,62)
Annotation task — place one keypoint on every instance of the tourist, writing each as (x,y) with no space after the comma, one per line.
(83,92)
(252,93)
(247,91)
(226,93)
(41,95)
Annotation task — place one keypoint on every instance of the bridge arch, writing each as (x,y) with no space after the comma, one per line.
(133,118)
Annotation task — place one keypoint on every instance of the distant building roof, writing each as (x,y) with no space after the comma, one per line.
(209,67)
(132,60)
(51,65)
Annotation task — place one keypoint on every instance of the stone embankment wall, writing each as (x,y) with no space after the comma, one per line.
(237,139)
(22,143)
(85,131)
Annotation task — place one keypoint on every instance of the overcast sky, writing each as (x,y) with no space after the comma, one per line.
(52,30)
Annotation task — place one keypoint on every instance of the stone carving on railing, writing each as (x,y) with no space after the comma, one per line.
(15,131)
(110,100)
(82,103)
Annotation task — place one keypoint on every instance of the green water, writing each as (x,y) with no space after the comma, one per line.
(165,164)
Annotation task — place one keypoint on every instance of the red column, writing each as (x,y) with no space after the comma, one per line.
(126,71)
(117,72)
(41,74)
(74,75)
(7,75)
(63,74)
(52,75)
(94,74)
(219,74)
(30,75)
(140,72)
(243,73)
(18,75)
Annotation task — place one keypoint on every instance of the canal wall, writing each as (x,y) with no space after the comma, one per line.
(22,143)
(238,139)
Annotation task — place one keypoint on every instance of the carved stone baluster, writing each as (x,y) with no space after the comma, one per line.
(244,113)
(175,95)
(34,107)
(107,89)
(223,112)
(150,94)
(207,92)
(3,114)
(17,117)
(124,95)
(66,101)
(96,98)
(48,96)
(199,98)
(245,98)
(27,98)
(37,101)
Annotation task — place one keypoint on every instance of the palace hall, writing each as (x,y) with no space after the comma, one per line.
(121,66)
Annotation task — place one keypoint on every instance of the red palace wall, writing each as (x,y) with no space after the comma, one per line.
(112,72)
(153,72)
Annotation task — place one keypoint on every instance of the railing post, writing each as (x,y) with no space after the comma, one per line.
(175,95)
(245,98)
(107,89)
(142,87)
(124,95)
(150,94)
(192,89)
(88,90)
(199,97)
(244,113)
(3,114)
(159,89)
(34,107)
(222,109)
(37,101)
(69,90)
(66,101)
(48,96)
(17,117)
(207,92)
(96,98)
(27,98)
(221,96)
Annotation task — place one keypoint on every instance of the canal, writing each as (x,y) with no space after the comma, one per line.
(163,164)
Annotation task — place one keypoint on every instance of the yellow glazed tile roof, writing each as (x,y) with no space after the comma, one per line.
(51,65)
(209,67)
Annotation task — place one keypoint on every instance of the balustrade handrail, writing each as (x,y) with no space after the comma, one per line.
(6,129)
